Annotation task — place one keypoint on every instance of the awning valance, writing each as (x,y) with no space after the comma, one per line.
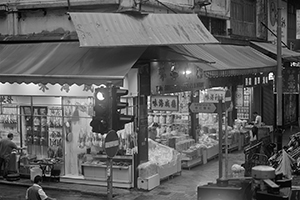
(229,60)
(271,50)
(116,29)
(65,63)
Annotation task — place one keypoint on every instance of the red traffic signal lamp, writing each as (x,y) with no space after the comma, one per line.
(102,115)
(119,120)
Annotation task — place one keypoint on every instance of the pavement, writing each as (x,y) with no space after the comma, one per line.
(181,186)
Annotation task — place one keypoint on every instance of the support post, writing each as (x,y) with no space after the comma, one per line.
(279,79)
(109,171)
(226,145)
(220,139)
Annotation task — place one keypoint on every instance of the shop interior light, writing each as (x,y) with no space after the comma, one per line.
(271,76)
(187,72)
(100,96)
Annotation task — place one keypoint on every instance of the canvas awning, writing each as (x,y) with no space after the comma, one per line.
(229,60)
(271,50)
(65,63)
(117,29)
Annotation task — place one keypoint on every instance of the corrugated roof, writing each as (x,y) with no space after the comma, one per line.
(229,60)
(268,48)
(116,29)
(65,63)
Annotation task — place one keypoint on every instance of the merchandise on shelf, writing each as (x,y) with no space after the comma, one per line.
(206,142)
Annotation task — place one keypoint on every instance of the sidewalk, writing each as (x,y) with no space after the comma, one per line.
(74,187)
(183,186)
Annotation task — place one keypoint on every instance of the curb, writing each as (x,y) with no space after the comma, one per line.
(15,183)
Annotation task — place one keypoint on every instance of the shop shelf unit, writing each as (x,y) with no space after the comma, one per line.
(9,122)
(35,130)
(96,170)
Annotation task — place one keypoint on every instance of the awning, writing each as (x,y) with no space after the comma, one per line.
(65,63)
(229,60)
(271,50)
(116,29)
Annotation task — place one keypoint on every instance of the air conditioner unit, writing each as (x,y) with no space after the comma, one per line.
(202,2)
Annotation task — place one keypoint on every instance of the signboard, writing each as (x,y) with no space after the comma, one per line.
(111,143)
(170,77)
(213,96)
(290,80)
(272,21)
(203,108)
(164,103)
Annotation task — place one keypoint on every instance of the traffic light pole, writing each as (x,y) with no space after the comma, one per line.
(109,168)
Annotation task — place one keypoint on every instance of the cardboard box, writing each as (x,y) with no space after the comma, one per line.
(148,183)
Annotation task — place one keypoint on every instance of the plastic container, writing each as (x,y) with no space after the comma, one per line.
(35,171)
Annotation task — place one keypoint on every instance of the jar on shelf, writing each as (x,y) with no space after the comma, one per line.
(162,119)
(156,119)
(169,119)
(150,119)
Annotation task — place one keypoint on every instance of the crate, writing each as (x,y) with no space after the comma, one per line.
(148,183)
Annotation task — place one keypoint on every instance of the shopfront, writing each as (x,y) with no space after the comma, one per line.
(47,100)
(290,75)
(223,67)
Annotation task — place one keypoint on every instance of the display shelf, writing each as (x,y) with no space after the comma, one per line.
(123,175)
(168,170)
(172,113)
(97,165)
(126,157)
(212,152)
(187,163)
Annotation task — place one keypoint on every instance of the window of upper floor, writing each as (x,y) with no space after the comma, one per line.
(243,10)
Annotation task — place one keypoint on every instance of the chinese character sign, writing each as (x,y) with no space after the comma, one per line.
(290,81)
(213,96)
(164,103)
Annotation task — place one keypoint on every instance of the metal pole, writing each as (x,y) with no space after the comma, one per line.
(226,145)
(279,78)
(109,178)
(220,139)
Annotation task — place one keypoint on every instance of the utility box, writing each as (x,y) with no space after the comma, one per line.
(148,183)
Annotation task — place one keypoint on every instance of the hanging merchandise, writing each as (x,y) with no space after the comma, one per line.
(81,139)
(68,129)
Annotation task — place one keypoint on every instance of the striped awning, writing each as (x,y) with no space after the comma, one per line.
(271,50)
(229,60)
(117,30)
(65,63)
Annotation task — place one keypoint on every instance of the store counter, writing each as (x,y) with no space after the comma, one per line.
(263,131)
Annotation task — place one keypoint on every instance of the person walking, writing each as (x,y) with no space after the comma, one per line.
(256,125)
(36,192)
(6,147)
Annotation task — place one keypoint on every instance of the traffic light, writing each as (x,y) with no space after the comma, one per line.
(102,115)
(119,120)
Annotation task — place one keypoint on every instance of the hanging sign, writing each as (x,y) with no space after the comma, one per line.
(213,96)
(203,107)
(290,80)
(164,103)
(170,77)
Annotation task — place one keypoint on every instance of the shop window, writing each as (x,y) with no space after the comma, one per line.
(9,118)
(215,25)
(236,11)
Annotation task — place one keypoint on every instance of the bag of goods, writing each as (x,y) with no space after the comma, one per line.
(147,169)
